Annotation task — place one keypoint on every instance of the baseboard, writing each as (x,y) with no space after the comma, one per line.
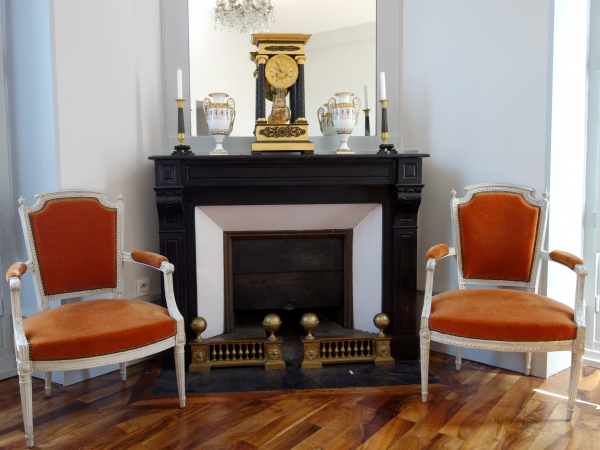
(591,358)
(8,373)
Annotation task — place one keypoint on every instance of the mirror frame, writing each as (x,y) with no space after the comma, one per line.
(175,40)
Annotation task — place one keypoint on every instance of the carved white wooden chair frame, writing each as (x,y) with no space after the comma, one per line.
(576,346)
(25,366)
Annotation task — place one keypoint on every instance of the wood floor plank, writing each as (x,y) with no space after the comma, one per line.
(528,424)
(388,434)
(283,424)
(429,426)
(504,379)
(472,414)
(293,437)
(443,442)
(557,423)
(549,441)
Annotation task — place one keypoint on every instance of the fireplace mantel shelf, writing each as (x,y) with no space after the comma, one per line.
(184,182)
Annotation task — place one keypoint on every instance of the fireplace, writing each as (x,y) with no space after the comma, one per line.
(196,194)
(350,248)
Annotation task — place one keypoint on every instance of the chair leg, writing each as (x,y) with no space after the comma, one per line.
(180,372)
(425,343)
(527,363)
(123,370)
(458,361)
(575,373)
(48,384)
(25,372)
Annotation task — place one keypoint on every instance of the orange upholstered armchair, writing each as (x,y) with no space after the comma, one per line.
(75,245)
(499,230)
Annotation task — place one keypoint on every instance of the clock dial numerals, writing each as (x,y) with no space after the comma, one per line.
(281,71)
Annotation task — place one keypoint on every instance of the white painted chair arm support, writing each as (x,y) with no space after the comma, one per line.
(581,272)
(22,346)
(431,262)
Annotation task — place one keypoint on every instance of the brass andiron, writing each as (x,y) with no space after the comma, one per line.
(235,352)
(353,347)
(181,149)
(271,323)
(309,322)
(198,324)
(385,148)
(381,321)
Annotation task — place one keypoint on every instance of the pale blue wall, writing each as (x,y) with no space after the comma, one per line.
(28,88)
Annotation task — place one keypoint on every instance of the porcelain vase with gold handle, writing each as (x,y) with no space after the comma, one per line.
(219,110)
(344,115)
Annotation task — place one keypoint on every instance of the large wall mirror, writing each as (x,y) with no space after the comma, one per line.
(352,40)
(341,57)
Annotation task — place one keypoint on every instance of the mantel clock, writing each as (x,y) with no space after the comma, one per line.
(280,74)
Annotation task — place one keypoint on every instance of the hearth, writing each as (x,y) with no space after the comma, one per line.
(188,187)
(284,271)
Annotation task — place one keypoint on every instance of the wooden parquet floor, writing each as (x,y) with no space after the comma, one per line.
(480,407)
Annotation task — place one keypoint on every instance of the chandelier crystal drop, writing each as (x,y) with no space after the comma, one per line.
(244,15)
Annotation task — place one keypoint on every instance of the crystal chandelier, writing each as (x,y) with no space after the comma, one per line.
(244,15)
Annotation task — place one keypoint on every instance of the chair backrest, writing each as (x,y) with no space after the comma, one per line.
(75,242)
(499,230)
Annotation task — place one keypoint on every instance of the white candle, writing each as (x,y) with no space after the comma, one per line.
(366,98)
(179,84)
(382,85)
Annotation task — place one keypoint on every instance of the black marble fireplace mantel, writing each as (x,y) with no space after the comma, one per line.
(395,181)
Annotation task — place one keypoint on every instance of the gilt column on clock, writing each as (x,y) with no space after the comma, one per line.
(260,89)
(300,113)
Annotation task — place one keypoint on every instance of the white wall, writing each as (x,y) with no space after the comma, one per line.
(110,111)
(475,96)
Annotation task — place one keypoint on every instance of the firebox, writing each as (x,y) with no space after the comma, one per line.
(278,271)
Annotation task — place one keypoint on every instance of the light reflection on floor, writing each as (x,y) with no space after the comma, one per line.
(565,397)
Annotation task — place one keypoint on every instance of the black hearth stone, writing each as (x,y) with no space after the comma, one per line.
(250,379)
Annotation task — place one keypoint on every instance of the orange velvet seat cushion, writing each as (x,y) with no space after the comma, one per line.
(501,314)
(96,327)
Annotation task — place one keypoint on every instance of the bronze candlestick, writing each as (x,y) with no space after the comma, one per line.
(181,149)
(385,148)
(367,122)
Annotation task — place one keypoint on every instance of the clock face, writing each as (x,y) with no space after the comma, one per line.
(281,71)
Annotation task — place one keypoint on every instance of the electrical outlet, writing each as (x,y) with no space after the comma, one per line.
(143,287)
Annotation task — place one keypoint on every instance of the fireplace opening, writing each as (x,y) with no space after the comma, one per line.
(288,273)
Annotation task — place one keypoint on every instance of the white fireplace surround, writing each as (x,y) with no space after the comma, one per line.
(365,219)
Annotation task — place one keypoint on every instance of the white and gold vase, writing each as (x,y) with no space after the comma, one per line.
(325,122)
(344,115)
(220,115)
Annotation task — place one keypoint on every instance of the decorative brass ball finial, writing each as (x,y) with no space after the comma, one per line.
(271,323)
(309,322)
(381,321)
(198,324)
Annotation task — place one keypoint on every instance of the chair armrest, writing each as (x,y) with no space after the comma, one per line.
(439,251)
(565,258)
(147,258)
(16,270)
